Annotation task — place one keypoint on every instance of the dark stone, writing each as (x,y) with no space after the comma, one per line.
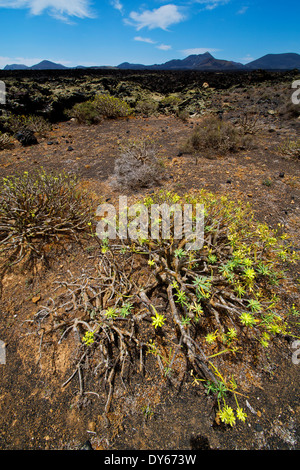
(26,137)
(281,174)
(87,446)
(70,148)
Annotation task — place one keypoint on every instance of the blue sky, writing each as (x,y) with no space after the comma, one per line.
(108,32)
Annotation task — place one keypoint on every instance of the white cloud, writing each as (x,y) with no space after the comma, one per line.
(59,9)
(198,50)
(164,47)
(210,4)
(162,17)
(117,5)
(147,40)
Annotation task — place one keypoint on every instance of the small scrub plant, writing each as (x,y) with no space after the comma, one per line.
(111,107)
(290,148)
(101,107)
(34,123)
(215,135)
(85,113)
(147,107)
(6,141)
(249,123)
(39,208)
(138,165)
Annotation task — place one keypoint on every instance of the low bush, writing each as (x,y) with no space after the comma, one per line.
(217,135)
(146,107)
(290,148)
(102,106)
(137,166)
(36,124)
(39,208)
(6,141)
(85,113)
(111,107)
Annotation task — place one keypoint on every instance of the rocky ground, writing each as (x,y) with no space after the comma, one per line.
(36,411)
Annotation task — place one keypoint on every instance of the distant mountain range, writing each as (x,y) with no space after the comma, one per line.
(201,62)
(44,65)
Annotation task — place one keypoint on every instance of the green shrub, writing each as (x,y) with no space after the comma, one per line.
(146,107)
(36,124)
(102,106)
(111,107)
(38,208)
(215,134)
(85,113)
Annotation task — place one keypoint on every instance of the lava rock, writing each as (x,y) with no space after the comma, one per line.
(87,446)
(26,138)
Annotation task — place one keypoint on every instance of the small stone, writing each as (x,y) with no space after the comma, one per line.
(87,446)
(281,174)
(36,299)
(258,427)
(70,148)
